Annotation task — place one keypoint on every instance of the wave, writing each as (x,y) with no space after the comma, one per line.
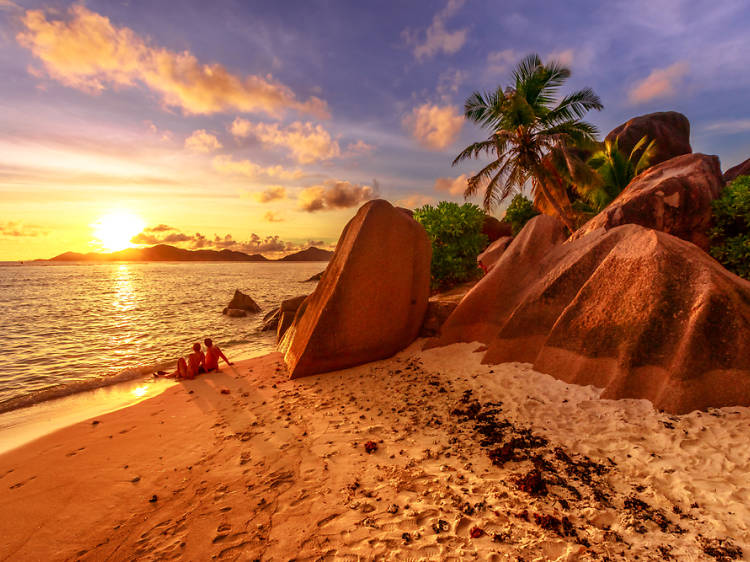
(74,387)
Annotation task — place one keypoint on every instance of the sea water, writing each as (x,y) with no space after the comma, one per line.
(75,327)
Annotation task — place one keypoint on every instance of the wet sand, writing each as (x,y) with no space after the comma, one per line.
(465,461)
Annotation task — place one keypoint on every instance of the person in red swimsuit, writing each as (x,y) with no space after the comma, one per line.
(192,367)
(213,353)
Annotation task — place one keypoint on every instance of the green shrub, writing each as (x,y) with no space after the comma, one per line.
(457,240)
(730,237)
(520,211)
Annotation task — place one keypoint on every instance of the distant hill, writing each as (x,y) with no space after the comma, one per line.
(164,252)
(310,254)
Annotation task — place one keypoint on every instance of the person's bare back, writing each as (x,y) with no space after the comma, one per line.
(213,353)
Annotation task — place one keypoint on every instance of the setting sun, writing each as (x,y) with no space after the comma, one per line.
(113,231)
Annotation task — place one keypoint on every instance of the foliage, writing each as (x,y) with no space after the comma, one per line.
(457,239)
(526,124)
(520,211)
(730,238)
(614,171)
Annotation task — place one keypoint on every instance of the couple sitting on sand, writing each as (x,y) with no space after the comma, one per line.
(199,362)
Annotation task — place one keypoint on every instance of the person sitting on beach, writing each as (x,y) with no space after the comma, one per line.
(196,361)
(213,353)
(195,365)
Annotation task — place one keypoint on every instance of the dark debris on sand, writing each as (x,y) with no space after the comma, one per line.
(566,479)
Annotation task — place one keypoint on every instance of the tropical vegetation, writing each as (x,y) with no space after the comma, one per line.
(730,237)
(520,211)
(456,235)
(614,169)
(529,127)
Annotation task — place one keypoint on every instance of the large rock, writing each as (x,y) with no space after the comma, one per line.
(271,319)
(241,301)
(734,172)
(287,312)
(487,259)
(673,197)
(437,313)
(235,312)
(637,312)
(670,130)
(494,228)
(371,301)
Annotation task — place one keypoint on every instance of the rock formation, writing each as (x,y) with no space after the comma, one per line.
(638,312)
(494,229)
(371,302)
(271,319)
(287,312)
(670,130)
(487,259)
(241,301)
(235,312)
(673,197)
(742,169)
(436,315)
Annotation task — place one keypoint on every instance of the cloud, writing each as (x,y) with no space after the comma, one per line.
(272,216)
(335,195)
(271,193)
(13,229)
(434,126)
(163,234)
(202,141)
(224,164)
(437,38)
(156,237)
(661,83)
(359,148)
(500,62)
(415,200)
(454,186)
(729,127)
(449,82)
(308,143)
(85,50)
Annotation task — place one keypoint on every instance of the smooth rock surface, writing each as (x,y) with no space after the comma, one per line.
(493,228)
(734,172)
(436,315)
(670,130)
(487,259)
(372,299)
(635,311)
(674,197)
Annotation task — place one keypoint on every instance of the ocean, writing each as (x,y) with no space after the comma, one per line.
(75,327)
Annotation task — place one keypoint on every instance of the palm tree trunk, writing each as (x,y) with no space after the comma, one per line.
(558,209)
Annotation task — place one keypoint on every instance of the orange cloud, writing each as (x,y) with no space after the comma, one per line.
(308,143)
(226,165)
(335,195)
(661,83)
(271,193)
(271,216)
(434,126)
(86,51)
(415,200)
(454,186)
(202,141)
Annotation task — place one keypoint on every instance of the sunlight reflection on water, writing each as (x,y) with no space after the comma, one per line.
(68,323)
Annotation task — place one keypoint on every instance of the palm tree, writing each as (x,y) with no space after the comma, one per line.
(526,125)
(615,170)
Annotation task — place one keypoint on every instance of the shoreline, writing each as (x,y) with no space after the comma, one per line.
(247,463)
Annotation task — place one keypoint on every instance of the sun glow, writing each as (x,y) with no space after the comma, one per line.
(113,231)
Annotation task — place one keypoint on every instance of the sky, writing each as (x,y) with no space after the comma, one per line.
(263,126)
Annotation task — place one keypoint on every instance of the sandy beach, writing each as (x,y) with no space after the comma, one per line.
(469,461)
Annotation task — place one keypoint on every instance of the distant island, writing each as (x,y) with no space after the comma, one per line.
(164,252)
